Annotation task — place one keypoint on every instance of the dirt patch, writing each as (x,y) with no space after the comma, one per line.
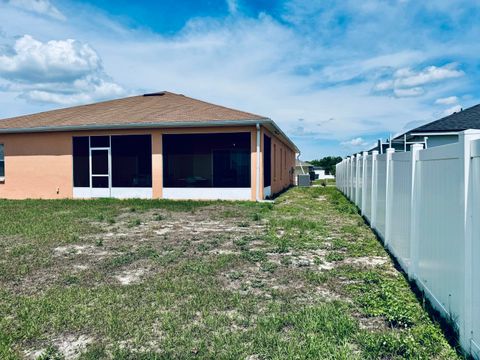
(128,277)
(368,261)
(70,346)
(77,249)
(133,235)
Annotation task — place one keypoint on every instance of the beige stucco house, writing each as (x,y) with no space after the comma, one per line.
(159,145)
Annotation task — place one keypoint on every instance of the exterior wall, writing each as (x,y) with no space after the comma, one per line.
(432,141)
(282,164)
(40,165)
(37,166)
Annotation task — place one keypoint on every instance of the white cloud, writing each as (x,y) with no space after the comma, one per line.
(232,6)
(406,82)
(52,61)
(384,85)
(43,7)
(411,92)
(452,110)
(408,78)
(355,142)
(57,71)
(447,100)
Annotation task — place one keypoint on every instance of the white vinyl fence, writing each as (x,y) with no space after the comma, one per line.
(425,206)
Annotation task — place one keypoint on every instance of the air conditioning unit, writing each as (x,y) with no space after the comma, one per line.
(303,180)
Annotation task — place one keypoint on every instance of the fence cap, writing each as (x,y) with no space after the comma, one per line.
(365,153)
(470,131)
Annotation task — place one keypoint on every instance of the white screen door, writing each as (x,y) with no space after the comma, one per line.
(100,182)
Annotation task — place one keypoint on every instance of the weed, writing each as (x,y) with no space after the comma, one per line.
(268,266)
(254,256)
(335,256)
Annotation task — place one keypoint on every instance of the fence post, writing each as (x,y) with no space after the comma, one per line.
(350,182)
(352,161)
(465,139)
(357,179)
(414,202)
(347,177)
(364,181)
(373,195)
(388,197)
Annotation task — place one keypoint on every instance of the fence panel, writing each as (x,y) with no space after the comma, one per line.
(441,247)
(400,207)
(358,199)
(367,190)
(380,210)
(353,192)
(475,202)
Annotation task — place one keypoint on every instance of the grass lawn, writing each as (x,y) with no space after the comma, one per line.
(303,278)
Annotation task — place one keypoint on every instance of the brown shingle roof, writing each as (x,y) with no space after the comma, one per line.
(157,108)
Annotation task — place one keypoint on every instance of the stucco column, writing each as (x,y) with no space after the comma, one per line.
(253,164)
(157,165)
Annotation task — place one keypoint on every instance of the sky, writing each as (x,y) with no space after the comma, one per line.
(334,75)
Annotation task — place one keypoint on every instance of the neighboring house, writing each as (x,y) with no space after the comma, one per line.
(321,173)
(440,132)
(303,168)
(159,145)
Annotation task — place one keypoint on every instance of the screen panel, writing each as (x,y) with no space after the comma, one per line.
(267,161)
(81,162)
(100,162)
(132,161)
(207,160)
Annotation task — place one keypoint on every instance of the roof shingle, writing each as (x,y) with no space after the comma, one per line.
(156,108)
(463,120)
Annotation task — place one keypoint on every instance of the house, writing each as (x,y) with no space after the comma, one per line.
(439,132)
(158,145)
(321,173)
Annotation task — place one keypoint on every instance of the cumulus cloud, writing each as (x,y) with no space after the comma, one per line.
(52,61)
(408,78)
(57,71)
(43,7)
(447,100)
(355,142)
(406,82)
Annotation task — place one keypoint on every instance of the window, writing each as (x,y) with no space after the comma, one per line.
(2,161)
(206,160)
(267,161)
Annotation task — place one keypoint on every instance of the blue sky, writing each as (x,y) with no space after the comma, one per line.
(335,75)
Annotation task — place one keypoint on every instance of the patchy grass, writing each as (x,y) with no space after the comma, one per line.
(304,278)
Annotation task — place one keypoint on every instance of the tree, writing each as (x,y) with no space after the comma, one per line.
(327,163)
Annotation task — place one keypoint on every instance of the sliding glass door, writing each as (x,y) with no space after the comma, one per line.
(112,166)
